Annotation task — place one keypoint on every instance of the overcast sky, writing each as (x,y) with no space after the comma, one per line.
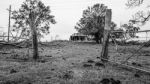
(68,12)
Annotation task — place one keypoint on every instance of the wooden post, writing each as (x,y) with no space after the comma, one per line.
(3,36)
(104,53)
(9,22)
(34,35)
(146,36)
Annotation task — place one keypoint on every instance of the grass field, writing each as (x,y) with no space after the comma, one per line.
(64,62)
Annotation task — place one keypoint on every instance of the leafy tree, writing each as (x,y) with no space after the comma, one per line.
(113,25)
(92,21)
(33,18)
(130,29)
(140,17)
(126,31)
(41,14)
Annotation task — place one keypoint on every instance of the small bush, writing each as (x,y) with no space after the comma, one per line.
(87,65)
(99,64)
(110,81)
(13,71)
(90,61)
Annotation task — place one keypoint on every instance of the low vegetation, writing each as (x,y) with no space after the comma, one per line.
(64,62)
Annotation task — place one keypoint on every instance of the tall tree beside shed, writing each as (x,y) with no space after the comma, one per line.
(33,19)
(92,21)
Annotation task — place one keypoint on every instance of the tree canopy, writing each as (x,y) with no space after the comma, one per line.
(33,19)
(93,21)
(41,15)
(130,29)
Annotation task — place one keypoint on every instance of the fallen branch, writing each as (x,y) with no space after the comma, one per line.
(12,44)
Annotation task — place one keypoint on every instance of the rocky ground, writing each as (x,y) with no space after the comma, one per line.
(64,62)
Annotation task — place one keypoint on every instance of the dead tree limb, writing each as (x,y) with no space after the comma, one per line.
(12,44)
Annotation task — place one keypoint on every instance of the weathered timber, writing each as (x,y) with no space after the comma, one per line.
(104,53)
(9,22)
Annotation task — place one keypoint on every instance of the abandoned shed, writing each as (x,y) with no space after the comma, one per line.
(78,37)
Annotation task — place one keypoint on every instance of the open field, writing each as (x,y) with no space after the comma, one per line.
(64,62)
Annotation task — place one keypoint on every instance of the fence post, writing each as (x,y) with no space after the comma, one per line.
(104,52)
(9,22)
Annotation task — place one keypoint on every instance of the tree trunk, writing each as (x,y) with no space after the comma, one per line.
(100,40)
(34,36)
(96,37)
(35,45)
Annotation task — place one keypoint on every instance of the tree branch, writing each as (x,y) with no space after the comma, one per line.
(133,3)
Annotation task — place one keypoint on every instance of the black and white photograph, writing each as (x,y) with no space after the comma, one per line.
(75,42)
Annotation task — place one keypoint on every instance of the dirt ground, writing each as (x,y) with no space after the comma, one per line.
(64,62)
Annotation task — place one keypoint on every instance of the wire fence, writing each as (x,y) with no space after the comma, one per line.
(134,51)
(12,38)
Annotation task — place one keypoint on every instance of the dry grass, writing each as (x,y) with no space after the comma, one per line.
(63,62)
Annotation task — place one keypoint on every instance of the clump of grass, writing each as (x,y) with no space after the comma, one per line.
(87,65)
(13,71)
(99,64)
(110,81)
(17,78)
(90,61)
(136,75)
(88,82)
(14,56)
(136,64)
(67,75)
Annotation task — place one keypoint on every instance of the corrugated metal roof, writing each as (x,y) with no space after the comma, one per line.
(78,34)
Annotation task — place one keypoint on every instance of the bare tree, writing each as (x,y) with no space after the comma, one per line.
(133,3)
(140,17)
